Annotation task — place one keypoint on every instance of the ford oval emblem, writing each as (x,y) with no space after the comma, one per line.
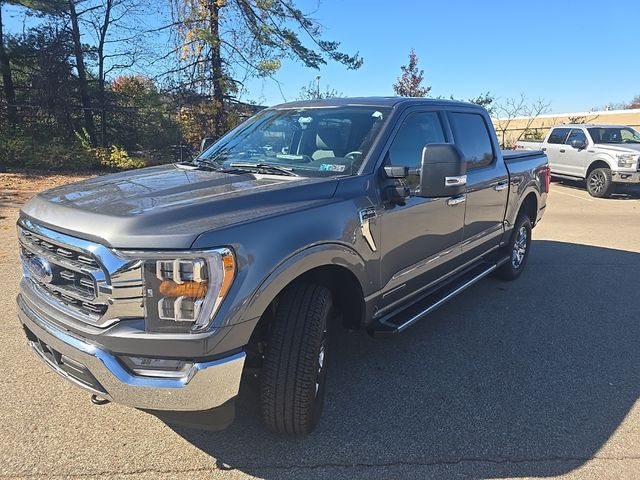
(41,269)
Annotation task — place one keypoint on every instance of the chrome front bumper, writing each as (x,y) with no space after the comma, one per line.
(205,386)
(625,177)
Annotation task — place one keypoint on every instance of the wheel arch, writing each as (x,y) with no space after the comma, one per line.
(336,266)
(599,162)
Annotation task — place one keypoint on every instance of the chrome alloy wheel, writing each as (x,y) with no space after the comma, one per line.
(519,248)
(597,182)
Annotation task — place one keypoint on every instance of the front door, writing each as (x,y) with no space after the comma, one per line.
(575,160)
(420,240)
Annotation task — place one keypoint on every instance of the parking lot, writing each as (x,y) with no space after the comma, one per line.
(535,378)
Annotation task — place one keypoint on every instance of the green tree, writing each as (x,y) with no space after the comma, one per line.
(224,41)
(409,83)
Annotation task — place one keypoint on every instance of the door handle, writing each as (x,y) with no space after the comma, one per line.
(544,149)
(501,186)
(562,150)
(456,181)
(456,200)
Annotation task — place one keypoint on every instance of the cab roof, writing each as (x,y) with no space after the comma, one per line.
(372,102)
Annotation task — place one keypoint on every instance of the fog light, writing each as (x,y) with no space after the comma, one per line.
(157,367)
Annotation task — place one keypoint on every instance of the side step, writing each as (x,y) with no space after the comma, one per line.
(397,322)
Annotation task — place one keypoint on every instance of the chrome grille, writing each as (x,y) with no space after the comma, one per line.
(87,281)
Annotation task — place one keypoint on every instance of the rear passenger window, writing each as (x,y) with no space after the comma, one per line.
(472,138)
(417,130)
(558,135)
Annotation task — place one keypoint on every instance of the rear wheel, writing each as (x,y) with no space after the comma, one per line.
(294,369)
(518,250)
(599,183)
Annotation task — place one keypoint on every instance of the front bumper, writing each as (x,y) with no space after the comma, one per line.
(625,177)
(205,386)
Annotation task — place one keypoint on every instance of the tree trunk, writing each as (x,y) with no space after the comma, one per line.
(101,74)
(83,85)
(7,79)
(217,73)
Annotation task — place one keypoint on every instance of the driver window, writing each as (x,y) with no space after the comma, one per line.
(576,135)
(416,131)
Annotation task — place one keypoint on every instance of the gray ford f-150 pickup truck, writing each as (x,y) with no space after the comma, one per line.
(157,288)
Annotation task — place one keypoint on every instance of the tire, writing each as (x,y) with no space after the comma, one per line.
(518,250)
(599,183)
(294,368)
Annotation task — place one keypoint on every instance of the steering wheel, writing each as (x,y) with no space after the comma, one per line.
(353,155)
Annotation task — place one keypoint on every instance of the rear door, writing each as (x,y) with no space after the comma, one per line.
(575,160)
(556,150)
(487,183)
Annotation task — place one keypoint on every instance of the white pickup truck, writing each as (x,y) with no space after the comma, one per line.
(603,155)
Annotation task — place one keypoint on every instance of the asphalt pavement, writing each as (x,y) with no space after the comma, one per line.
(534,378)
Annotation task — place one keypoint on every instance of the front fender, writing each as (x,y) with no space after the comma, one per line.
(300,263)
(603,157)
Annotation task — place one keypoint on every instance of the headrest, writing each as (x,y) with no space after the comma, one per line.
(328,139)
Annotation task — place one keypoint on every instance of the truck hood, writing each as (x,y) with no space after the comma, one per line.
(168,207)
(618,148)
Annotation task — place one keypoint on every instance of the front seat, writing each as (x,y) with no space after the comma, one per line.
(327,143)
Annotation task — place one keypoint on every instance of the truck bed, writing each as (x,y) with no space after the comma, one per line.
(511,156)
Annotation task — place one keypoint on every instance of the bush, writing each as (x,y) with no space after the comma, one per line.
(20,151)
(117,158)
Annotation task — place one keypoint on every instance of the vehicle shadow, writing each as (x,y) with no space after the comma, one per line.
(620,192)
(511,379)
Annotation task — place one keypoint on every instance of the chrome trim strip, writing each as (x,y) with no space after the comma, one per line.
(457,181)
(365,216)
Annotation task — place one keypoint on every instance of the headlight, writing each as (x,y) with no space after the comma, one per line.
(626,160)
(184,290)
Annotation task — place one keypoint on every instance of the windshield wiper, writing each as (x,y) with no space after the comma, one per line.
(267,167)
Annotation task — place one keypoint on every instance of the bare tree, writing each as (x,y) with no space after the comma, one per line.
(510,109)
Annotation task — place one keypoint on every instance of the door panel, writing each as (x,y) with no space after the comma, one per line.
(575,161)
(420,242)
(421,239)
(487,184)
(556,150)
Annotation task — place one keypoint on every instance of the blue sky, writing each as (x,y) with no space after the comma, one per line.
(575,54)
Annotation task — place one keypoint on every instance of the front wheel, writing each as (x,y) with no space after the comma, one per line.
(518,250)
(294,369)
(599,183)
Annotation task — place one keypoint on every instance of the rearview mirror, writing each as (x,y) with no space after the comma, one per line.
(579,144)
(443,171)
(206,143)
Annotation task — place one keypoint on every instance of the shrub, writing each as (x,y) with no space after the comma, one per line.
(117,158)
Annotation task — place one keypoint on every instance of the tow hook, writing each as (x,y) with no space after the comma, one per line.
(96,400)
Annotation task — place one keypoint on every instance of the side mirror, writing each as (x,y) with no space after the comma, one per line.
(579,144)
(206,143)
(443,172)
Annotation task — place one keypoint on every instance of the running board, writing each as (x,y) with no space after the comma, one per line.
(398,322)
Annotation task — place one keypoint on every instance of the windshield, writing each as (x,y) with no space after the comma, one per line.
(307,141)
(614,135)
